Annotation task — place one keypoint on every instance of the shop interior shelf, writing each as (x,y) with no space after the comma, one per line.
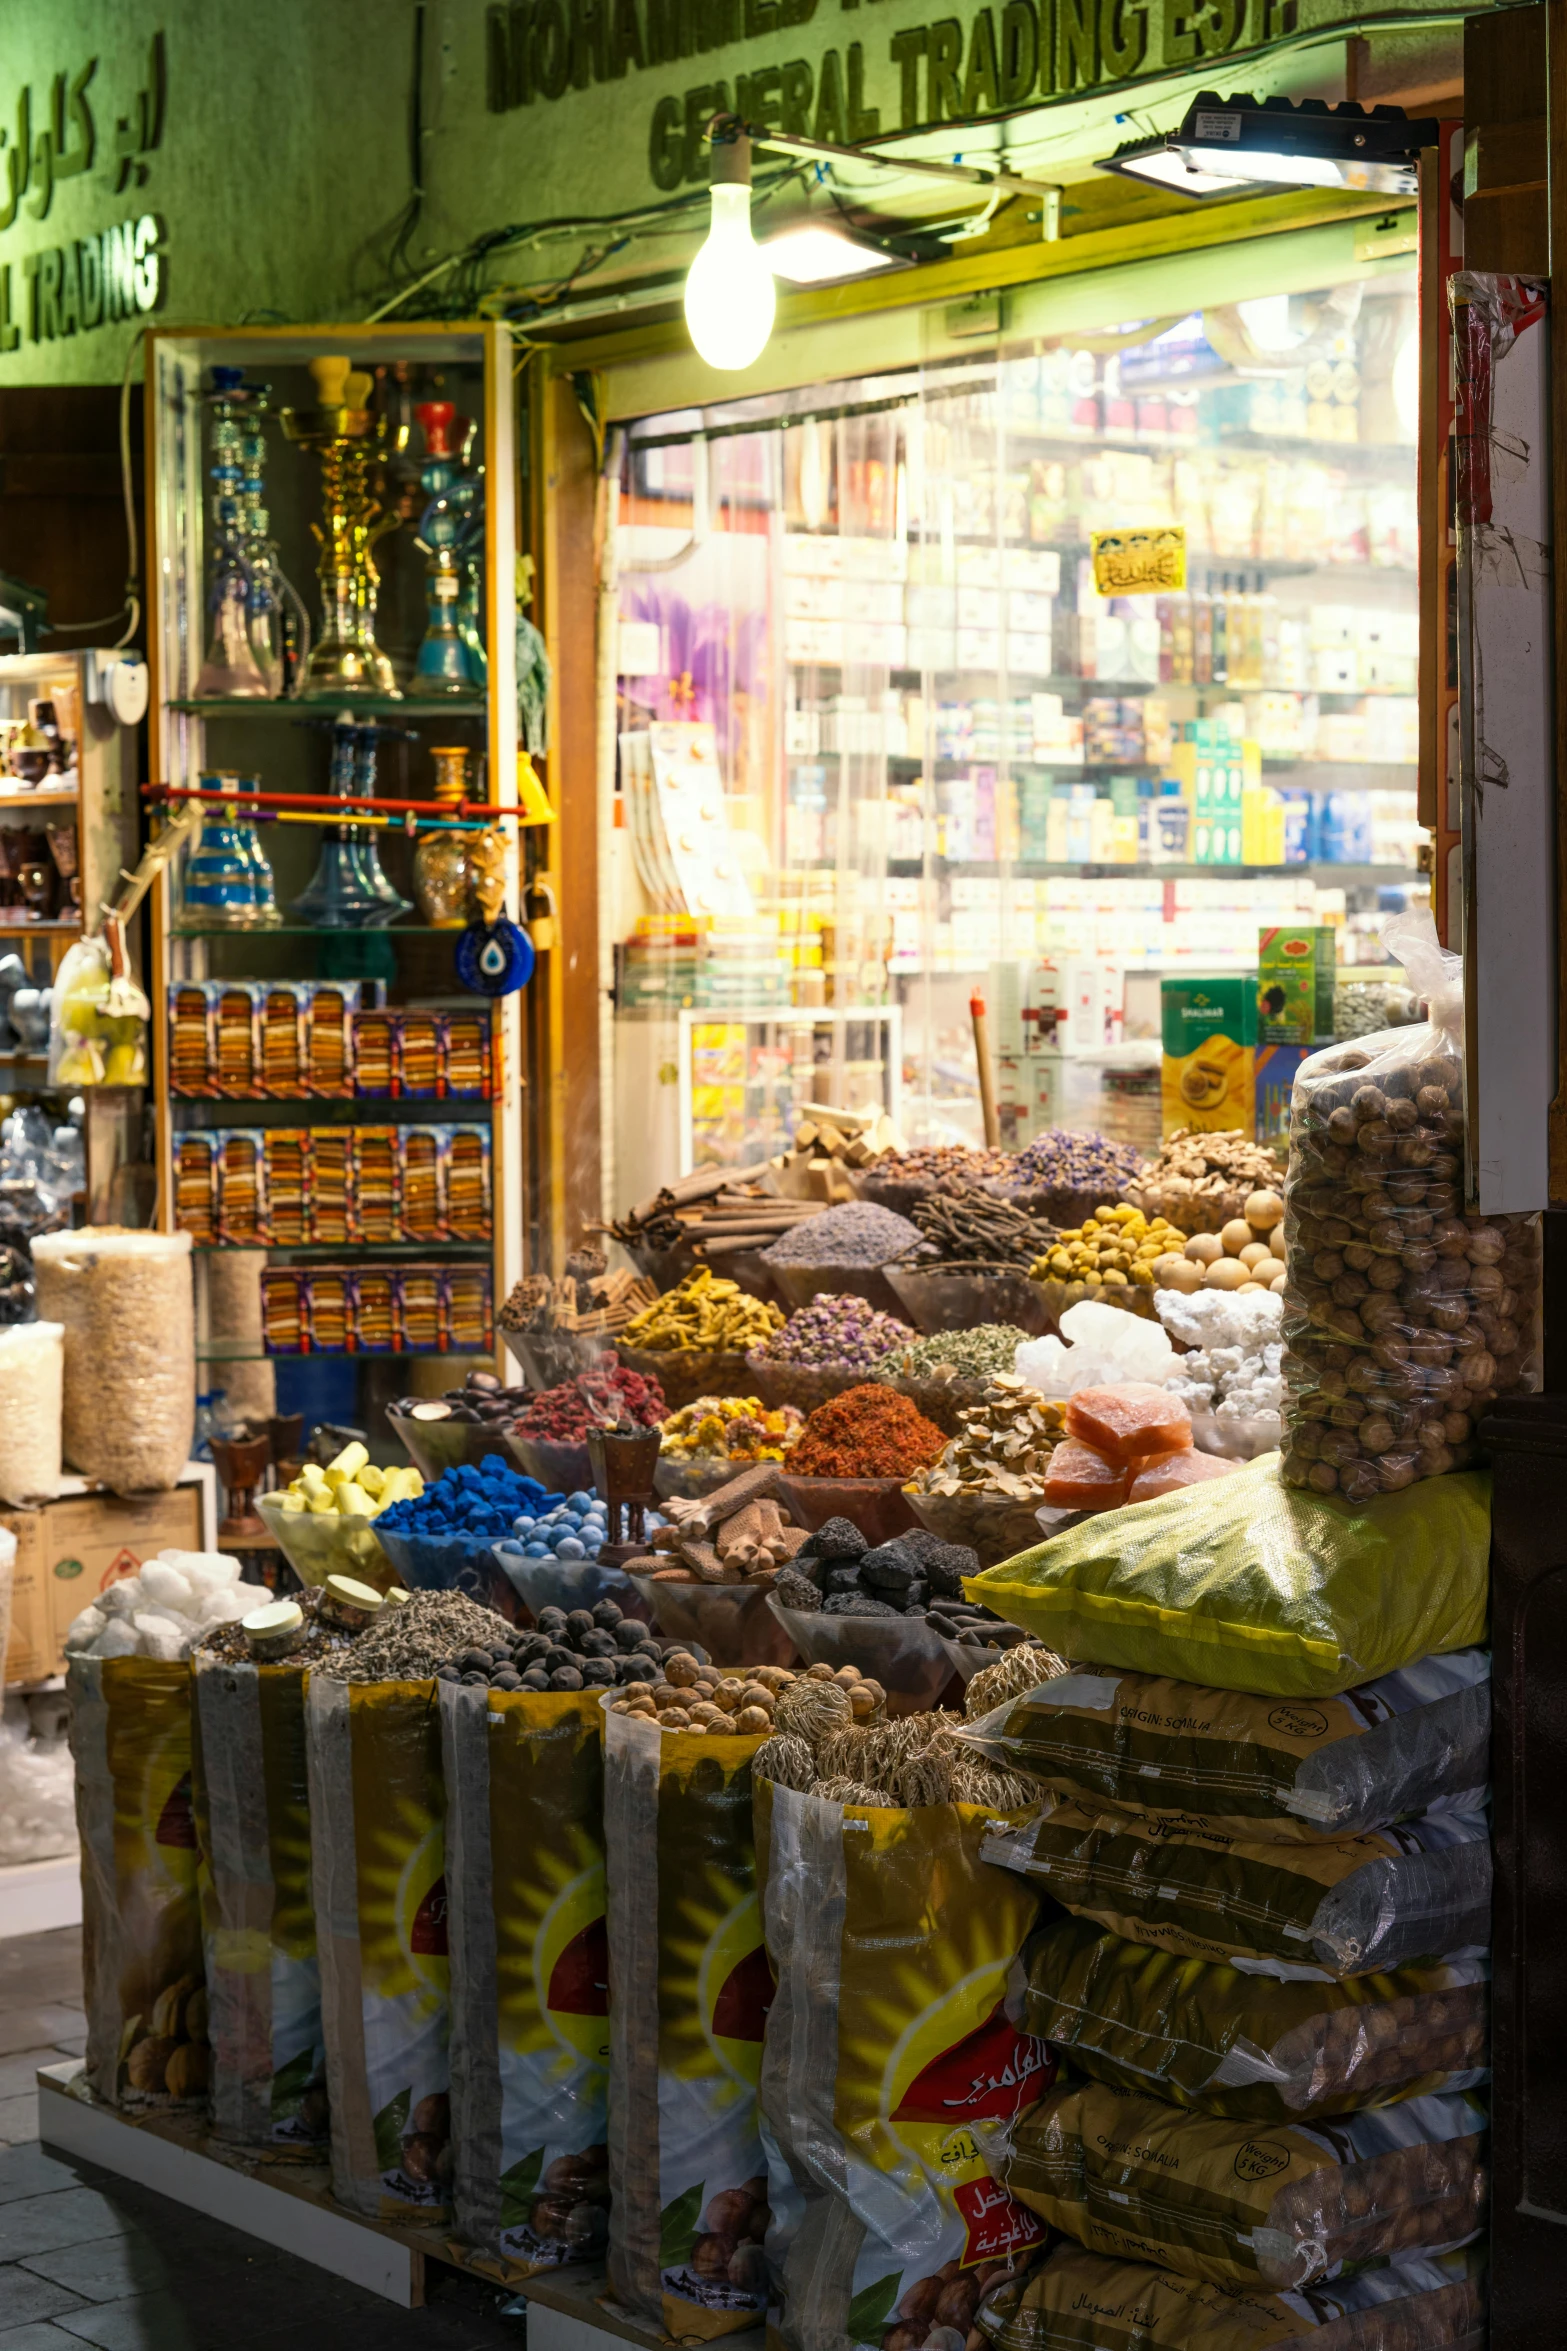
(330,1249)
(326,707)
(182,929)
(50,798)
(1035,868)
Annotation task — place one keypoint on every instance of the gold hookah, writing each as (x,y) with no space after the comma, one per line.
(352,441)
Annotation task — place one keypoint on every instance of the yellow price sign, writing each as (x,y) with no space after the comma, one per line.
(1140,563)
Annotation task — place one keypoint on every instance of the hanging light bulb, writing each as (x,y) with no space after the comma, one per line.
(730,298)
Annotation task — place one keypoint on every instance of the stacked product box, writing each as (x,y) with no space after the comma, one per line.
(278,1040)
(377,1310)
(283,1187)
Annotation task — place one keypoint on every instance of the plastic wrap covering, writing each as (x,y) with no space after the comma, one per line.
(1355,1907)
(1248,2047)
(1403,1317)
(1244,1584)
(378,1860)
(252,1802)
(32,1380)
(1288,2207)
(37,1783)
(688,2177)
(1077,2301)
(130,1351)
(530,1992)
(1252,1766)
(886,2045)
(141,1925)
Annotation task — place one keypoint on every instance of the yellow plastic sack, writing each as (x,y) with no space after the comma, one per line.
(145,1998)
(888,2046)
(1247,1585)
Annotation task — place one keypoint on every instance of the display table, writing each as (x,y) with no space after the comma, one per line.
(290,2205)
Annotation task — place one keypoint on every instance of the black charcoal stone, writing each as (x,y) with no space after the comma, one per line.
(840,1538)
(856,1604)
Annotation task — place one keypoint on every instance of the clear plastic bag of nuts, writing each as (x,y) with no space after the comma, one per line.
(1404,1316)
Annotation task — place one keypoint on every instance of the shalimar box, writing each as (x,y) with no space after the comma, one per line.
(69,1551)
(1210,1033)
(1296,976)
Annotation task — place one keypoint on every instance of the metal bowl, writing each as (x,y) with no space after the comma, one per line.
(684,1373)
(732,1622)
(566,1583)
(877,1506)
(329,1544)
(435,1446)
(957,1301)
(560,1468)
(910,1661)
(455,1563)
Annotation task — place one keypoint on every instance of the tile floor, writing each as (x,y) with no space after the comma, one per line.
(89,2258)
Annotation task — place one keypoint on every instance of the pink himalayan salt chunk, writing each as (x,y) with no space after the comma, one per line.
(1124,1421)
(1165,1471)
(1081,1479)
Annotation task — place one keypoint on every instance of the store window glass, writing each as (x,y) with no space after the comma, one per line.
(883,743)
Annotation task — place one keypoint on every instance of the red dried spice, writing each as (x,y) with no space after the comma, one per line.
(595,1399)
(869,1432)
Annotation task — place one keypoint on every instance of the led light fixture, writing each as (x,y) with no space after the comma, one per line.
(730,296)
(816,255)
(1155,161)
(1309,145)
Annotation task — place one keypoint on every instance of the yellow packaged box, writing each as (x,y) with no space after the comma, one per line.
(1209,1030)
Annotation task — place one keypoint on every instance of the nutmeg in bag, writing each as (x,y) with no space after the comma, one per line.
(1404,1316)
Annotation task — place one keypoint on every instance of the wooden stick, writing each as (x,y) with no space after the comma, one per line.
(987,1082)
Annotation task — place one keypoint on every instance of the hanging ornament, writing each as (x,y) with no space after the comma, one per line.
(495,958)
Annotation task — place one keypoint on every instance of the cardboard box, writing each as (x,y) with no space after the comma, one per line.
(1275,1082)
(1297,972)
(69,1551)
(1209,1030)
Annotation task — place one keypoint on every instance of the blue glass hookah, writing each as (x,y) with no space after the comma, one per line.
(348,890)
(451,658)
(248,590)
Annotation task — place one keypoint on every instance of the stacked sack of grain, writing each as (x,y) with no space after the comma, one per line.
(1263,1808)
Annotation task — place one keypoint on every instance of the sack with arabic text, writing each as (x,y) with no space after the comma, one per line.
(252,1800)
(143,1987)
(1355,1907)
(378,1860)
(529,1972)
(1285,2206)
(1077,2301)
(1246,2046)
(888,2044)
(1266,1769)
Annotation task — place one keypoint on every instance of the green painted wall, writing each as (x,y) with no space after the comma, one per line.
(269,171)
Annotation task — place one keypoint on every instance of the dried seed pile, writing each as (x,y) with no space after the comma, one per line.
(410,1643)
(977,1228)
(857,1233)
(915,1760)
(842,1330)
(868,1432)
(1200,1182)
(318,1639)
(1005,1445)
